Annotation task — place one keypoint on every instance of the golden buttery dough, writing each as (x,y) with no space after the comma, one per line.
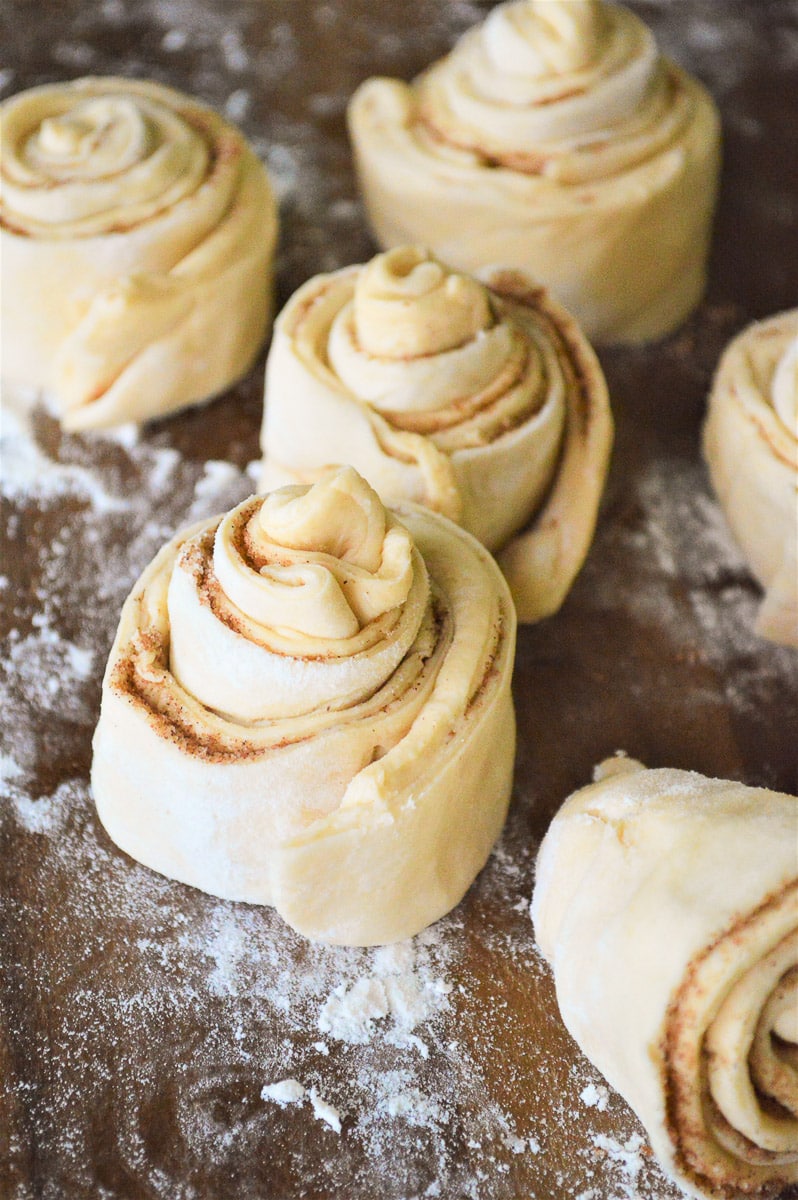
(667,905)
(482,402)
(308,705)
(554,138)
(137,231)
(751,446)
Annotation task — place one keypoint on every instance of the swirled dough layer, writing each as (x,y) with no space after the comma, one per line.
(137,231)
(308,705)
(667,905)
(483,402)
(751,446)
(553,138)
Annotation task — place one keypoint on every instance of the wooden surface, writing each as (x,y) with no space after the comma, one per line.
(140,1019)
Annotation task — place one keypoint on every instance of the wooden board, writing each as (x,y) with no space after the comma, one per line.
(141,1019)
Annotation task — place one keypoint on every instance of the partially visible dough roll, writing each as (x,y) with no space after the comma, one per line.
(308,705)
(485,403)
(556,139)
(751,446)
(667,905)
(137,231)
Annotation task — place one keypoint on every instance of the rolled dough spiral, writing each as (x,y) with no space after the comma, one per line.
(751,446)
(482,401)
(308,705)
(667,905)
(554,138)
(137,231)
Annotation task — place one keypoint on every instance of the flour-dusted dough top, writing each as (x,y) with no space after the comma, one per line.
(667,905)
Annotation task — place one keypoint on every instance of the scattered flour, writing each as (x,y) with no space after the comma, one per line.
(595,1096)
(177,1006)
(286,1091)
(290,1091)
(113,11)
(218,480)
(236,105)
(627,1156)
(46,815)
(675,569)
(27,470)
(401,991)
(324,1111)
(174,39)
(9,769)
(235,53)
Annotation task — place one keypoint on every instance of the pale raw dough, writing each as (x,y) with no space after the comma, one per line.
(751,446)
(556,139)
(308,705)
(484,403)
(137,234)
(667,905)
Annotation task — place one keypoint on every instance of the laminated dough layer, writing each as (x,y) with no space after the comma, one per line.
(482,401)
(308,705)
(667,905)
(137,231)
(553,138)
(751,447)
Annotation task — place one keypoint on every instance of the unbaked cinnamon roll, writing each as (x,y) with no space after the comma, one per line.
(308,705)
(554,138)
(137,230)
(667,905)
(751,446)
(483,402)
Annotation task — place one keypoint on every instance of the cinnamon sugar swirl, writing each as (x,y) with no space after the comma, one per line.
(667,905)
(308,705)
(482,401)
(137,231)
(555,138)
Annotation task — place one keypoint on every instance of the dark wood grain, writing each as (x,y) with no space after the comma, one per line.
(126,1069)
